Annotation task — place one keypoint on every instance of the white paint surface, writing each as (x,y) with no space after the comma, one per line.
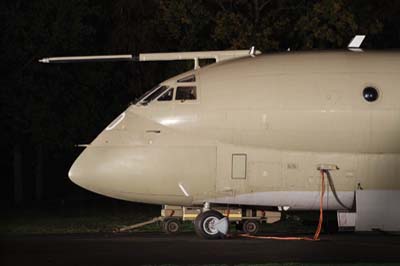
(378,209)
(346,219)
(296,200)
(356,41)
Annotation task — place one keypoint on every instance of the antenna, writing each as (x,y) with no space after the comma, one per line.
(252,51)
(217,55)
(91,58)
(355,43)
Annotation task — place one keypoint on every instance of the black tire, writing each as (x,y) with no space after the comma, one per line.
(171,226)
(201,225)
(251,227)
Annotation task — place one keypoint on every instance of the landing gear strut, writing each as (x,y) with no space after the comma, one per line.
(211,224)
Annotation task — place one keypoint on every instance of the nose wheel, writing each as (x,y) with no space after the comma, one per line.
(211,225)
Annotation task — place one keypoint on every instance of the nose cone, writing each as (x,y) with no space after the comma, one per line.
(79,173)
(115,172)
(110,171)
(72,173)
(94,169)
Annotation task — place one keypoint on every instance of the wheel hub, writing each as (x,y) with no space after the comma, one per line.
(209,225)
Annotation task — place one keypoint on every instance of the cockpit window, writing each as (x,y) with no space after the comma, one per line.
(167,96)
(146,94)
(186,93)
(153,94)
(191,78)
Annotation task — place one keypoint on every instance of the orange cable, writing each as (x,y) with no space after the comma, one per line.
(321,204)
(321,218)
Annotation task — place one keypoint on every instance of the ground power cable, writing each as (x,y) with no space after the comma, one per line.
(321,217)
(332,185)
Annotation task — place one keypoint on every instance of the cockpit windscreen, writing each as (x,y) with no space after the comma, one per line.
(151,95)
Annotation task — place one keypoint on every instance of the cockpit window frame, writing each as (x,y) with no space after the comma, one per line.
(172,85)
(191,86)
(151,92)
(169,88)
(187,79)
(147,93)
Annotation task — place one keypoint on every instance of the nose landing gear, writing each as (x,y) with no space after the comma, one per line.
(211,224)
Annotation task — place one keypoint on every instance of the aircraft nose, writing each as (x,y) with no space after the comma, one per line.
(86,171)
(109,170)
(77,171)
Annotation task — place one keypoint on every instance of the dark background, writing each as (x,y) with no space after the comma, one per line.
(47,109)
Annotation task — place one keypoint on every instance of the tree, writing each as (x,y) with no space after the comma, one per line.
(30,102)
(184,24)
(327,24)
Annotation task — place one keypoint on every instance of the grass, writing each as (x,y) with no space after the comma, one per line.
(77,217)
(109,215)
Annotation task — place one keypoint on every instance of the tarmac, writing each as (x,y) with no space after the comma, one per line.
(186,248)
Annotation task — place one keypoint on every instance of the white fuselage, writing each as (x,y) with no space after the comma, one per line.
(256,133)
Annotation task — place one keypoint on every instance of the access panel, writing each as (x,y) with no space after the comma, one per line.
(239,166)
